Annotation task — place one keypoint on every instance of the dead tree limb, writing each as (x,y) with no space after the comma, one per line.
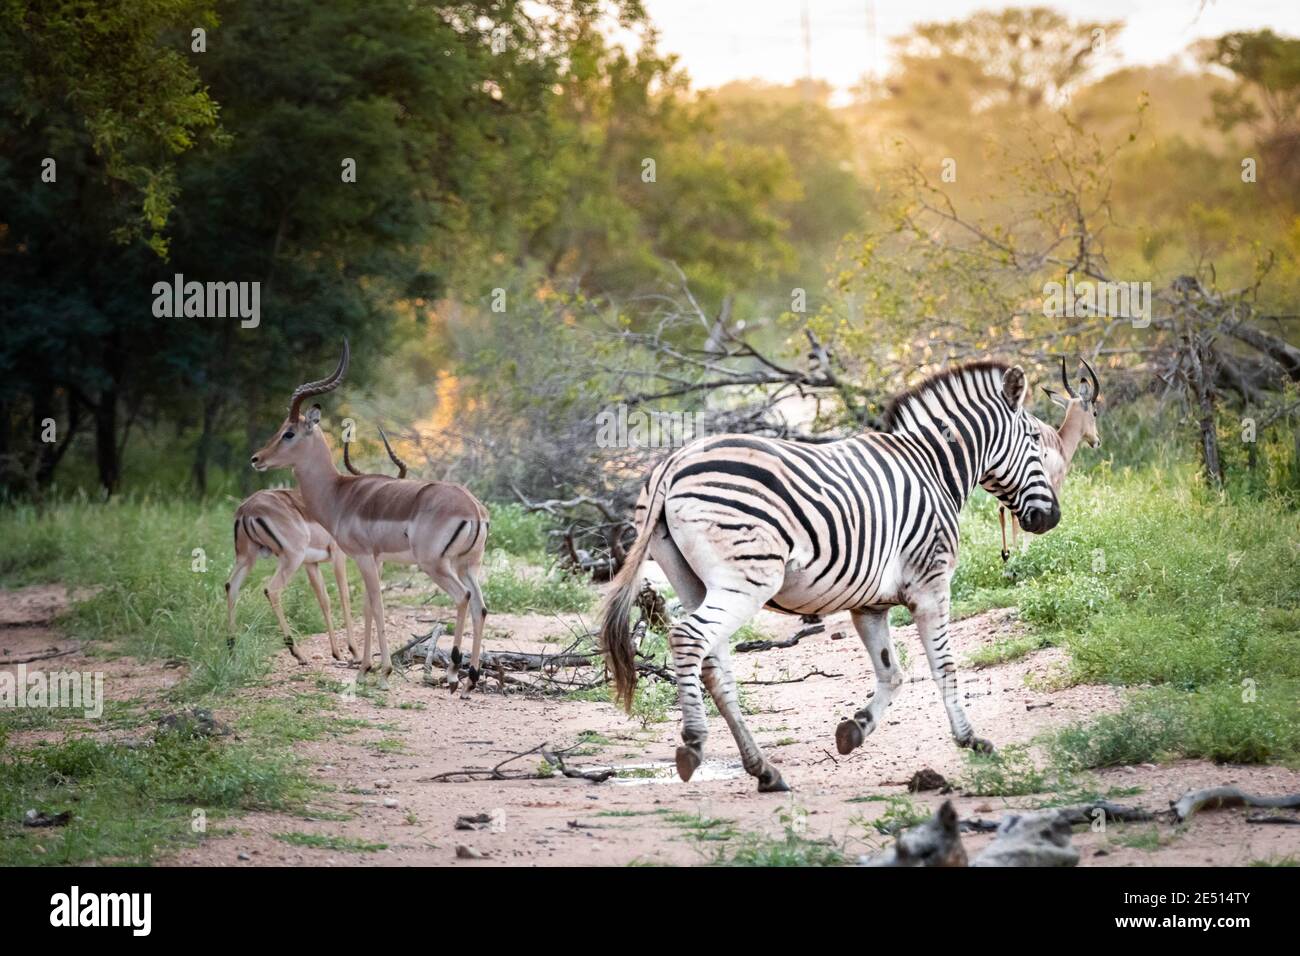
(1215,797)
(792,680)
(808,631)
(43,656)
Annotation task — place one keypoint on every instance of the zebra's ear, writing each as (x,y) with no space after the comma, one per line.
(1014,386)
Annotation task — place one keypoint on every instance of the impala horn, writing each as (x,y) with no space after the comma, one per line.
(1065,380)
(401,465)
(1096,386)
(308,389)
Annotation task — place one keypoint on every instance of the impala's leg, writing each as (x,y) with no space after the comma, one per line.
(478,618)
(873,628)
(341,579)
(702,633)
(444,577)
(323,599)
(242,566)
(931,615)
(284,570)
(369,568)
(721,684)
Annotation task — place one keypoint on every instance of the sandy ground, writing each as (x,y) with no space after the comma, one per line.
(382,776)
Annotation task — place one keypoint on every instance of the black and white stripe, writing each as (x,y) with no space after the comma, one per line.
(740,522)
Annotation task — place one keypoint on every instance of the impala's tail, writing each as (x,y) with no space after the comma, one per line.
(615,627)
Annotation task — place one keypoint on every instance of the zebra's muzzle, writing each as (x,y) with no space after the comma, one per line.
(1041,520)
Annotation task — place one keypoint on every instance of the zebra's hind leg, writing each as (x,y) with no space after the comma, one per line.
(721,684)
(932,623)
(873,627)
(693,638)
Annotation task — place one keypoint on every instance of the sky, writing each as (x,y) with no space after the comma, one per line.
(723,40)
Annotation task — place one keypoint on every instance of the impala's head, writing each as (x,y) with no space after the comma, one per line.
(1016,476)
(1086,402)
(291,440)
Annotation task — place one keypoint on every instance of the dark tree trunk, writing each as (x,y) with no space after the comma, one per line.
(203,451)
(42,393)
(106,455)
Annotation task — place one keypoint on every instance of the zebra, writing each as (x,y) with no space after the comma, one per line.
(739,523)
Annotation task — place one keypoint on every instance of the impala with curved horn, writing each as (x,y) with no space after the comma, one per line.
(437,525)
(1060,444)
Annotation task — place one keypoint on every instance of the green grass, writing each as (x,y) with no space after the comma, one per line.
(319,841)
(128,803)
(1166,723)
(1151,581)
(132,801)
(151,603)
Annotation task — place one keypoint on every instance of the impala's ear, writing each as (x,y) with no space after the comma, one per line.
(1014,386)
(1056,399)
(313,417)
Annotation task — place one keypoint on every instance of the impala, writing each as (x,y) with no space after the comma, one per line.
(1060,444)
(439,526)
(275,522)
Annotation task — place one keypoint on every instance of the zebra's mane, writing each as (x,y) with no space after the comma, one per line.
(903,399)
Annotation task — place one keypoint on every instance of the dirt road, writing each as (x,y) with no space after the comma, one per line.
(381,807)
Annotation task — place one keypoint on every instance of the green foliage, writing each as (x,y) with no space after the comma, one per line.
(148,602)
(128,803)
(518,532)
(901,813)
(1010,772)
(1161,724)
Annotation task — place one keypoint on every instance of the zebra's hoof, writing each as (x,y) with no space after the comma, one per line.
(770,781)
(688,758)
(979,745)
(848,736)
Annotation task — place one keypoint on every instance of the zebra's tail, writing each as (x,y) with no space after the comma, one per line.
(615,628)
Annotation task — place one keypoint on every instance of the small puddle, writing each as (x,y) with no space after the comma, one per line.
(636,774)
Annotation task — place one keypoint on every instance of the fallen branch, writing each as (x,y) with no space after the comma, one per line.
(552,758)
(1215,797)
(1086,812)
(791,680)
(43,656)
(811,629)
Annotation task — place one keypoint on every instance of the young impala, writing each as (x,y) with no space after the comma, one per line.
(438,525)
(1060,444)
(273,522)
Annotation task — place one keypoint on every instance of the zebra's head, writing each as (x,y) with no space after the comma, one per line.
(1015,474)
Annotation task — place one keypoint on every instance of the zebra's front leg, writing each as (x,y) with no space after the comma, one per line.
(932,619)
(721,684)
(873,627)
